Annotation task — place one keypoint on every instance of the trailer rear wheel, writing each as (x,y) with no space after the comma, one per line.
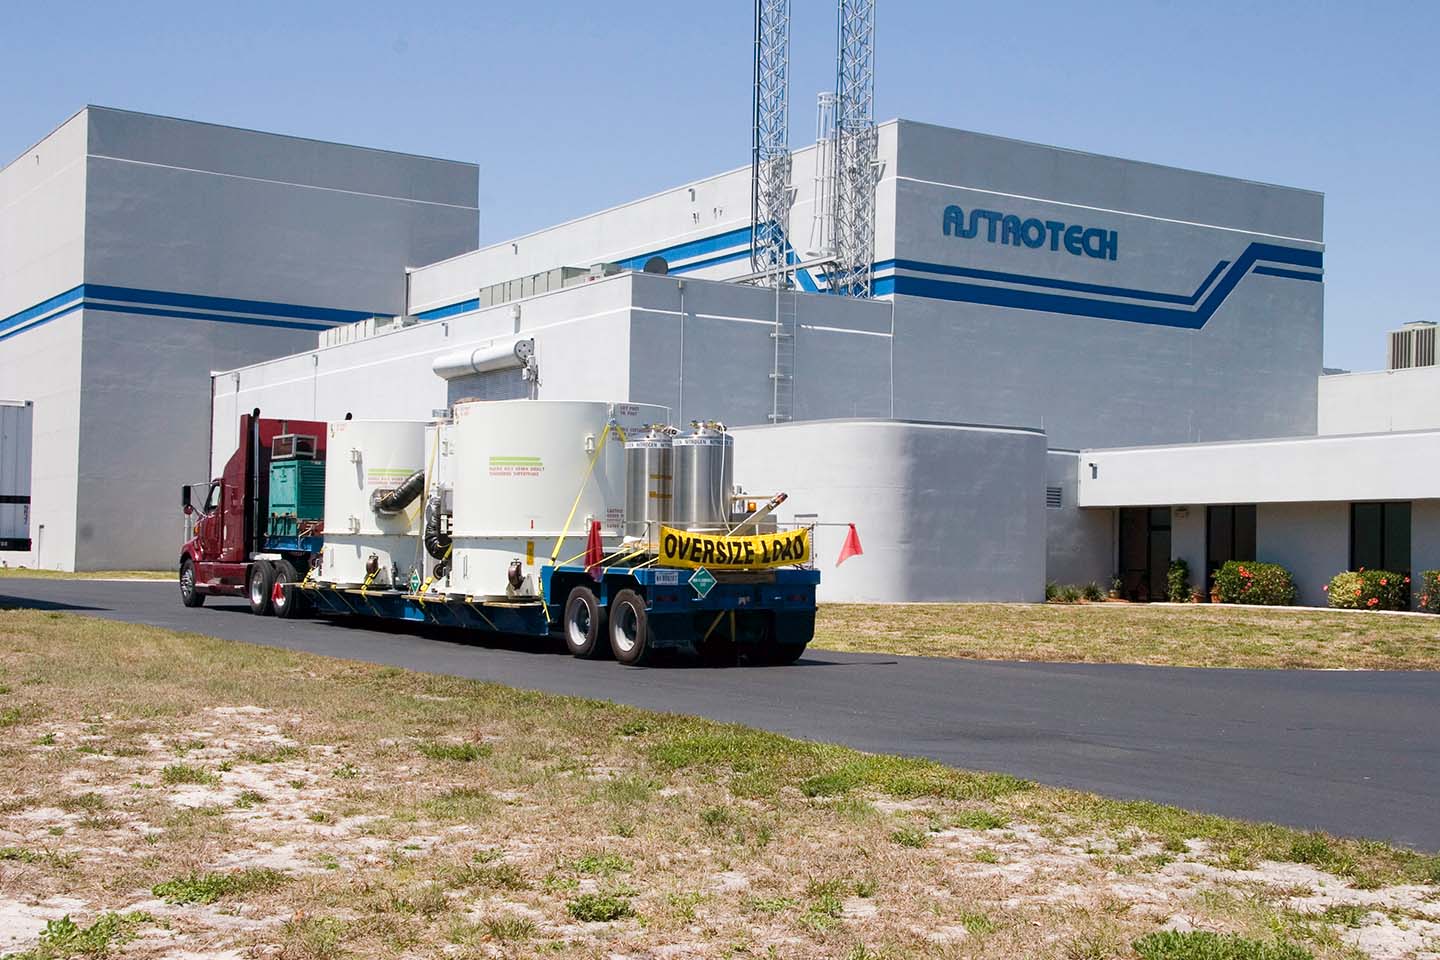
(258,583)
(583,624)
(629,628)
(285,597)
(189,593)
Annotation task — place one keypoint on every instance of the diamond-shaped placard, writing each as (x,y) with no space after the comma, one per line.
(703,581)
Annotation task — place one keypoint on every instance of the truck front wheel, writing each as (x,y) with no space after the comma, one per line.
(258,583)
(583,624)
(629,628)
(190,595)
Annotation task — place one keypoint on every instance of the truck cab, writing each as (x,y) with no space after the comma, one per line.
(227,552)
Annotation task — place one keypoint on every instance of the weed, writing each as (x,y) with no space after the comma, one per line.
(9,716)
(315,938)
(769,905)
(866,887)
(716,819)
(19,855)
(88,802)
(461,803)
(976,924)
(684,904)
(346,771)
(66,938)
(1345,914)
(48,740)
(210,887)
(509,929)
(599,908)
(428,900)
(910,836)
(986,855)
(457,752)
(1203,945)
(276,754)
(490,876)
(248,799)
(177,773)
(981,820)
(603,864)
(320,816)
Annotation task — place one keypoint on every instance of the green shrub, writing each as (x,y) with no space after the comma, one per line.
(1248,581)
(1092,592)
(1429,599)
(1066,593)
(1052,590)
(1177,581)
(1369,590)
(599,908)
(1204,945)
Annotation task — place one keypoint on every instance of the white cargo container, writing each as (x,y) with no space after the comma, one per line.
(15,432)
(530,473)
(366,459)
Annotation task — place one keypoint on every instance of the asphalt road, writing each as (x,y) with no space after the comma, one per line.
(1350,752)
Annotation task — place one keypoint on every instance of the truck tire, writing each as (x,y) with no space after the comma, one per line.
(629,628)
(190,594)
(258,583)
(784,654)
(583,624)
(285,599)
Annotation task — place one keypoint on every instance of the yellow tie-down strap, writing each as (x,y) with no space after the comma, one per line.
(680,548)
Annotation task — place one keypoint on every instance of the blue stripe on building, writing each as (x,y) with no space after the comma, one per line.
(160,303)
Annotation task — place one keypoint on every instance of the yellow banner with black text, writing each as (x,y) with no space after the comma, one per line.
(680,548)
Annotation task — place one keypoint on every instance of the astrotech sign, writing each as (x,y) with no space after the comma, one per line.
(1026,288)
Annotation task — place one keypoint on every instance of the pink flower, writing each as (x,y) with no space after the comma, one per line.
(1407,579)
(1371,602)
(1384,582)
(1326,588)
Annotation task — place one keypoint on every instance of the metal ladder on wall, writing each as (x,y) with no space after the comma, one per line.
(782,372)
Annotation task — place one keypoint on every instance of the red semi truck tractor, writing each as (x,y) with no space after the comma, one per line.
(239,548)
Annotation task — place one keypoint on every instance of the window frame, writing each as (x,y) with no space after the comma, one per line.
(1384,529)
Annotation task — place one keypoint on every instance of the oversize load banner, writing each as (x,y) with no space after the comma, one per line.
(679,548)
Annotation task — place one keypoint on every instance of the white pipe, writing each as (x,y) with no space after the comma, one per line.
(500,356)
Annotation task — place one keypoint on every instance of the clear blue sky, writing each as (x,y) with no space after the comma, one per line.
(569,107)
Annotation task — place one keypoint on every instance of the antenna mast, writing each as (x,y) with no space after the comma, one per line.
(856,146)
(770,157)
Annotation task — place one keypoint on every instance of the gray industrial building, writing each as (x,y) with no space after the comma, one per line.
(1035,307)
(140,253)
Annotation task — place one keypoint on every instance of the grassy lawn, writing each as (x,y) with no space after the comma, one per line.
(1202,635)
(25,572)
(171,793)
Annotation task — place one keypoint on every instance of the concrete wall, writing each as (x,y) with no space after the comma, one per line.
(1387,466)
(1311,540)
(1380,401)
(1187,541)
(42,254)
(1079,544)
(943,511)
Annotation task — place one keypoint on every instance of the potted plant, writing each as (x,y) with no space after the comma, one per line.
(1117,587)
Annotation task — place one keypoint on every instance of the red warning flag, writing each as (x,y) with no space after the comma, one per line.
(851,547)
(594,551)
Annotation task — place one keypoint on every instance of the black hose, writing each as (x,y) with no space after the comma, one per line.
(401,497)
(436,543)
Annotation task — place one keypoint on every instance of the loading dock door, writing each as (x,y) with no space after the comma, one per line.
(15,434)
(1144,552)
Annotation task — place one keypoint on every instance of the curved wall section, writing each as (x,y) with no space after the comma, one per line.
(944,511)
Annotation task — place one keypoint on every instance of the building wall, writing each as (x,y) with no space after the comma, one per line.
(1187,541)
(42,249)
(1079,544)
(1380,401)
(943,511)
(1102,350)
(175,248)
(1386,466)
(1311,540)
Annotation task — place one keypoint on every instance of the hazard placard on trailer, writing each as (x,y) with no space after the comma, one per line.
(703,581)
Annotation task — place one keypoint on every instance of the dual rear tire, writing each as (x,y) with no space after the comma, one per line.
(590,631)
(260,588)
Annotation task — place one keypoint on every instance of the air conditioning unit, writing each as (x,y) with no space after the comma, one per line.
(1413,345)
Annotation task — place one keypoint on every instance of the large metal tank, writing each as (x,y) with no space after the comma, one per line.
(523,480)
(649,481)
(364,460)
(704,478)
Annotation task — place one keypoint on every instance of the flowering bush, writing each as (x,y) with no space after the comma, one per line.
(1369,590)
(1429,599)
(1248,581)
(1177,581)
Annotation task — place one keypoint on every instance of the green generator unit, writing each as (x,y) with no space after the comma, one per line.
(297,496)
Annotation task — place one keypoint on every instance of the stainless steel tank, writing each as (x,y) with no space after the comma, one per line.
(649,481)
(704,477)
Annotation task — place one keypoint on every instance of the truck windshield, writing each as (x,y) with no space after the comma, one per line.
(212,499)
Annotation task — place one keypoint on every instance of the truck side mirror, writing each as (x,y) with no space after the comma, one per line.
(185,499)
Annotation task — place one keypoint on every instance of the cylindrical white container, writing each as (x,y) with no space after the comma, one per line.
(363,459)
(524,479)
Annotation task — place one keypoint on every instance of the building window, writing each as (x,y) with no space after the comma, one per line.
(1380,536)
(1229,535)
